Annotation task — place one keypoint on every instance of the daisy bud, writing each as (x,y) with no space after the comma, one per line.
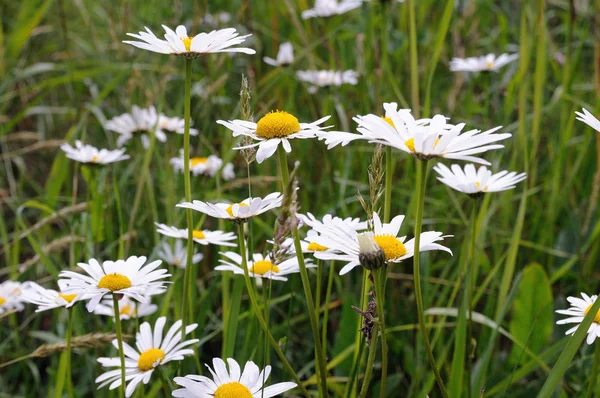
(371,256)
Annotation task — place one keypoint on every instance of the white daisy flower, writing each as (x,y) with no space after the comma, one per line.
(487,63)
(429,139)
(123,277)
(47,299)
(174,125)
(230,384)
(260,266)
(239,212)
(228,173)
(343,243)
(128,308)
(209,166)
(473,182)
(311,221)
(578,310)
(152,351)
(140,121)
(326,78)
(11,296)
(588,119)
(276,127)
(177,256)
(179,43)
(327,8)
(204,237)
(89,154)
(285,55)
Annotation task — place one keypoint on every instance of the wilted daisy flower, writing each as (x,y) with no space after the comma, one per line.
(327,8)
(588,119)
(204,237)
(239,212)
(47,299)
(325,78)
(277,127)
(174,125)
(11,297)
(423,139)
(260,266)
(230,384)
(179,43)
(578,310)
(285,55)
(89,154)
(198,165)
(472,182)
(128,308)
(485,63)
(127,277)
(141,121)
(152,352)
(343,244)
(178,255)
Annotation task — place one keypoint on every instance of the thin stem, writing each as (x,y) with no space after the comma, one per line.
(471,275)
(119,341)
(68,376)
(594,374)
(421,182)
(319,288)
(414,66)
(380,276)
(187,279)
(389,170)
(321,364)
(258,313)
(370,361)
(351,386)
(326,309)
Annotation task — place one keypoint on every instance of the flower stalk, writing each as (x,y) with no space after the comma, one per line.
(119,341)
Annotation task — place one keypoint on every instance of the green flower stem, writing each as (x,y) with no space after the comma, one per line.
(319,288)
(370,361)
(187,279)
(358,347)
(68,375)
(259,316)
(379,277)
(389,171)
(471,275)
(421,182)
(594,374)
(321,364)
(326,309)
(119,341)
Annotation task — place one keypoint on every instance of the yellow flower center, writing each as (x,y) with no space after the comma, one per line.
(389,120)
(478,185)
(277,124)
(233,390)
(126,310)
(263,266)
(197,161)
(95,159)
(315,247)
(391,246)
(229,210)
(410,143)
(149,358)
(596,317)
(187,42)
(67,297)
(198,234)
(490,64)
(2,300)
(114,282)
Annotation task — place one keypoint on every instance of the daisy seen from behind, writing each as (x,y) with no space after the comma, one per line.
(177,256)
(285,55)
(237,212)
(177,42)
(141,121)
(152,351)
(204,237)
(128,277)
(200,165)
(327,78)
(92,155)
(234,382)
(274,129)
(578,310)
(589,119)
(328,8)
(486,63)
(477,181)
(174,125)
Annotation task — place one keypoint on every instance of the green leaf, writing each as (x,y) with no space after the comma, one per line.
(532,316)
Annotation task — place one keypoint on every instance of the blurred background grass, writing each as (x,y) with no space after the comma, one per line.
(64,71)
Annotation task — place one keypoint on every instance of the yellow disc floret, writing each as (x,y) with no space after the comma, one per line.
(67,297)
(198,234)
(149,358)
(391,246)
(233,390)
(196,161)
(277,124)
(490,64)
(410,144)
(596,317)
(2,300)
(229,210)
(187,42)
(126,310)
(114,282)
(389,120)
(315,247)
(95,159)
(263,266)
